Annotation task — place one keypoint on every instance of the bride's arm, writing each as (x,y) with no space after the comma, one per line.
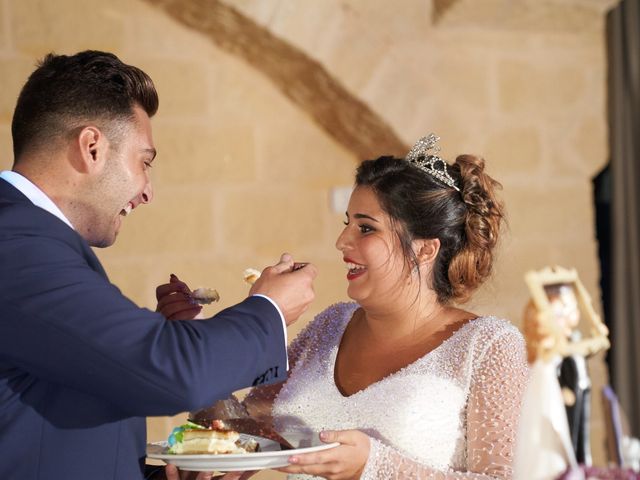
(493,409)
(259,400)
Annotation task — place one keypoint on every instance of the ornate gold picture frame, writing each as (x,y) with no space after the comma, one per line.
(560,319)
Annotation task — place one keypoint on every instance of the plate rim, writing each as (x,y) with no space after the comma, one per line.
(236,456)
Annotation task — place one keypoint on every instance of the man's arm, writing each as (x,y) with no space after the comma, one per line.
(91,338)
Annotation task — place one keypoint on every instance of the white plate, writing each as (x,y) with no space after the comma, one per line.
(269,456)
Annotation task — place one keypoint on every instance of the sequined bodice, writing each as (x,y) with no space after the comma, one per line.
(425,396)
(449,411)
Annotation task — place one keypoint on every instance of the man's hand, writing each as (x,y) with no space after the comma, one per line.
(235,476)
(291,290)
(173,473)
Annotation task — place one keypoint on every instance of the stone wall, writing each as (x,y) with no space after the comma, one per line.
(245,171)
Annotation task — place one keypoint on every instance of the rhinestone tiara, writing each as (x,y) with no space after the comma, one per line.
(424,155)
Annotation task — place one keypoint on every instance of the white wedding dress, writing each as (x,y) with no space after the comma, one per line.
(450,414)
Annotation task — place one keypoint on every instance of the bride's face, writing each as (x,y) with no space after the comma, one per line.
(376,267)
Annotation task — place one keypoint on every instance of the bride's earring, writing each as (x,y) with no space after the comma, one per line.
(415,270)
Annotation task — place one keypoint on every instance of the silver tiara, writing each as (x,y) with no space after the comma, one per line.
(424,155)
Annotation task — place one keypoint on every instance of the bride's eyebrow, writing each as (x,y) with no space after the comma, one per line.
(362,215)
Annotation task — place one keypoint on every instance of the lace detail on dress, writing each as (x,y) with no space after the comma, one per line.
(259,400)
(450,414)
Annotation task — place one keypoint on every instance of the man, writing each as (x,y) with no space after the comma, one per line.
(81,366)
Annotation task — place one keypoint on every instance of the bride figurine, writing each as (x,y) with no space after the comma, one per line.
(554,435)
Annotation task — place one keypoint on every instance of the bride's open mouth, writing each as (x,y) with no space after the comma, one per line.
(354,269)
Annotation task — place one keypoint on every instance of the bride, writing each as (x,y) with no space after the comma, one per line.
(410,385)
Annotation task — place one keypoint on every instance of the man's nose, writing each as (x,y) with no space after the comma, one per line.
(147,193)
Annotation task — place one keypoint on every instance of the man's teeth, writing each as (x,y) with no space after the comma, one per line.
(354,267)
(127,210)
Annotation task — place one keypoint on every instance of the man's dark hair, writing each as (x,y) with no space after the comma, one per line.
(67,92)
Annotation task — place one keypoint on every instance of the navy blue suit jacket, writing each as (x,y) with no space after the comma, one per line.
(81,366)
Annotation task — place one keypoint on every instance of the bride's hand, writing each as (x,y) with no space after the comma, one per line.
(175,302)
(344,462)
(172,473)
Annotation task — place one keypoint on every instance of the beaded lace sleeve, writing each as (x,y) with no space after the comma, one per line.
(259,400)
(492,411)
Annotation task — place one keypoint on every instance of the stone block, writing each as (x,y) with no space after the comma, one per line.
(581,48)
(463,79)
(539,89)
(6,147)
(513,149)
(40,26)
(533,16)
(4,33)
(456,136)
(15,71)
(160,36)
(304,155)
(177,220)
(324,33)
(262,12)
(269,220)
(181,85)
(234,91)
(204,154)
(340,61)
(591,144)
(541,207)
(406,70)
(488,44)
(119,262)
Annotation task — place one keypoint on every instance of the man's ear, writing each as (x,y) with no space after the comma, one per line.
(427,250)
(92,146)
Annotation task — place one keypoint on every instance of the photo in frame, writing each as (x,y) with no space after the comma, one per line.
(560,319)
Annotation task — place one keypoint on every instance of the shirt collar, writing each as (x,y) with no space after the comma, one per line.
(33,193)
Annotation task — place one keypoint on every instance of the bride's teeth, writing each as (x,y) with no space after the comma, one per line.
(354,266)
(127,210)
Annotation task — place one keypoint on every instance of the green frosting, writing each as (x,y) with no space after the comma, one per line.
(178,433)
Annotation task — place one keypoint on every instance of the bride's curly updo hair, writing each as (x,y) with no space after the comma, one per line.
(467,221)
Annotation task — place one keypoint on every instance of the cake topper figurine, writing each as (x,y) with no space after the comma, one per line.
(561,329)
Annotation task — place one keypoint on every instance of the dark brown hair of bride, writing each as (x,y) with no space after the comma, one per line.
(466,219)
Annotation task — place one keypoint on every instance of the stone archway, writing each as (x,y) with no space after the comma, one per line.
(343,116)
